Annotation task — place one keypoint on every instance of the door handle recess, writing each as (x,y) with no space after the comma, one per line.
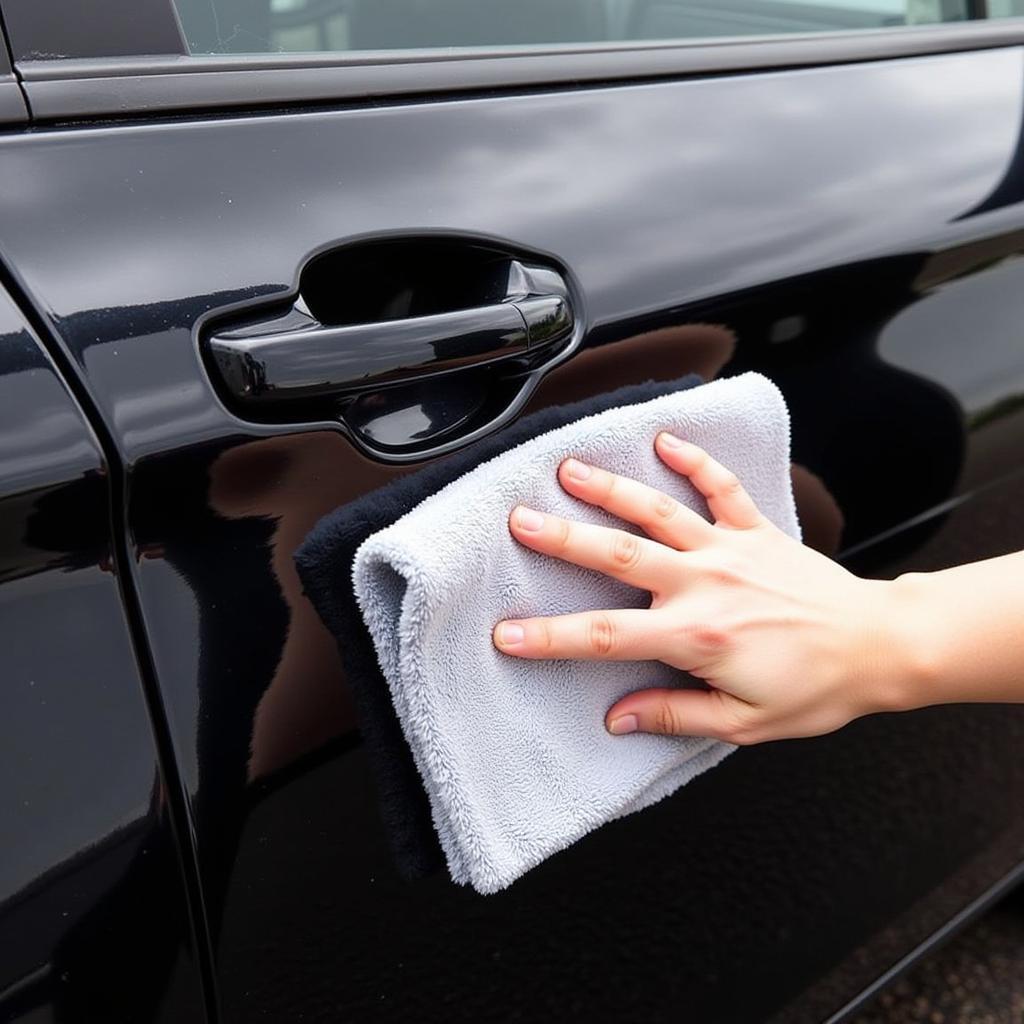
(295,357)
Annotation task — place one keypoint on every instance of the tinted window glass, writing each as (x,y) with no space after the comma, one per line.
(260,26)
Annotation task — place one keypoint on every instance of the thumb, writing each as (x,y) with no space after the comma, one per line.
(667,712)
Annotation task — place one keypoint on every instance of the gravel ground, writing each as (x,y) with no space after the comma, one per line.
(978,978)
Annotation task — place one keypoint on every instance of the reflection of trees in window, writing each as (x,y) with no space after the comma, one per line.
(303,26)
(265,26)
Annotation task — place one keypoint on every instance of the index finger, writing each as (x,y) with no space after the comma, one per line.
(621,634)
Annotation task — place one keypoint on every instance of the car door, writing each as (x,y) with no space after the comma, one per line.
(90,873)
(839,210)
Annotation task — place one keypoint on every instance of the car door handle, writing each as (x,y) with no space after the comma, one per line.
(295,357)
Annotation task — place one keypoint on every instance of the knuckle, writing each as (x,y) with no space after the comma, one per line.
(601,635)
(663,506)
(666,720)
(723,575)
(724,567)
(729,486)
(563,534)
(626,551)
(542,640)
(707,637)
(738,722)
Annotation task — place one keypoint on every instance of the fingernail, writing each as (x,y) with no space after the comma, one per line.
(577,470)
(623,724)
(510,634)
(669,440)
(527,519)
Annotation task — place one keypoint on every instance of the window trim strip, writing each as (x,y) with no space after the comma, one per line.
(128,87)
(12,103)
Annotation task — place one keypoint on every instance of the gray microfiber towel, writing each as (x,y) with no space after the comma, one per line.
(513,753)
(324,563)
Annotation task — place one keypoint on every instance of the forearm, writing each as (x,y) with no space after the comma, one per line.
(964,633)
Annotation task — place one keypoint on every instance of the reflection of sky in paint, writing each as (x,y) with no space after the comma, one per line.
(62,810)
(37,450)
(753,179)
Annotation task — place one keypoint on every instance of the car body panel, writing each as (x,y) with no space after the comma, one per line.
(852,232)
(90,860)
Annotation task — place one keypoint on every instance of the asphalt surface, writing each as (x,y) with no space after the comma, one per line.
(977,978)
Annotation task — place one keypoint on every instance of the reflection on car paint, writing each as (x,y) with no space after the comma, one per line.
(853,233)
(89,864)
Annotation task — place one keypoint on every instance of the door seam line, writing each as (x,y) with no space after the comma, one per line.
(178,803)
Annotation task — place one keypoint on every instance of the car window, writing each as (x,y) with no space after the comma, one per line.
(272,26)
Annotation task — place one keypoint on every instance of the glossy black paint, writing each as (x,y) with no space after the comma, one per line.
(852,232)
(409,312)
(89,875)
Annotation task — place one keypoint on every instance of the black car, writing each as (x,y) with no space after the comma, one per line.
(831,193)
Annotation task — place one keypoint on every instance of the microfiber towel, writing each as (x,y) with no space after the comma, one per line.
(324,562)
(513,753)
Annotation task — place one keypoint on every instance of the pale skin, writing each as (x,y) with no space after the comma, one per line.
(788,641)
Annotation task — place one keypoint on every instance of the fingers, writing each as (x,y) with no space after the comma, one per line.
(634,560)
(728,501)
(712,713)
(660,516)
(627,634)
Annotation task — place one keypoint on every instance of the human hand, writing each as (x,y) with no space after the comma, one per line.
(789,642)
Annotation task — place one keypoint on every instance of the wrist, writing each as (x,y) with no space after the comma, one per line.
(905,660)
